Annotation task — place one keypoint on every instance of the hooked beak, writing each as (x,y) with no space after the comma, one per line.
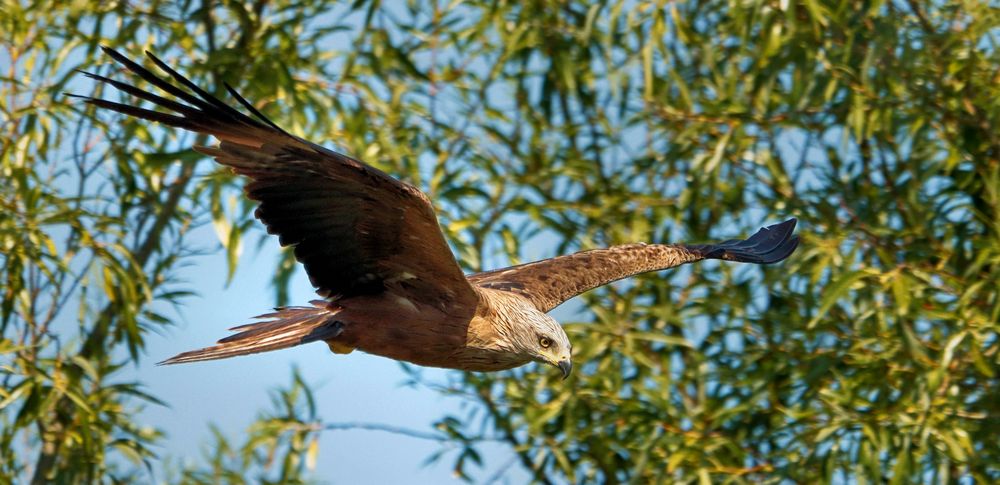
(566,366)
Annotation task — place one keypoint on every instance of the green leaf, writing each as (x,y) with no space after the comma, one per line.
(836,290)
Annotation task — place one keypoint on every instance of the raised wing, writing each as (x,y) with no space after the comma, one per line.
(356,230)
(550,282)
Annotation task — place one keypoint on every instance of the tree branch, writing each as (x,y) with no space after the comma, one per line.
(508,435)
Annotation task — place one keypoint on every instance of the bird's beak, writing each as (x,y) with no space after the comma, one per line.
(566,366)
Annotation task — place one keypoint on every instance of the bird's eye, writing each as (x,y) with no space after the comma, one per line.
(545,342)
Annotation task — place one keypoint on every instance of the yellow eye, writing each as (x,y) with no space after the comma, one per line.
(545,342)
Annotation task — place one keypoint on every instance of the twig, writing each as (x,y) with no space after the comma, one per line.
(388,428)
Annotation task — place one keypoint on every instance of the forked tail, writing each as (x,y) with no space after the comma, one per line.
(285,327)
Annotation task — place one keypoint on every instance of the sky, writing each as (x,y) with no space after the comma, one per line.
(354,388)
(348,388)
(229,394)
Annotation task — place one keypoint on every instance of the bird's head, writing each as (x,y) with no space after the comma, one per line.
(524,333)
(544,340)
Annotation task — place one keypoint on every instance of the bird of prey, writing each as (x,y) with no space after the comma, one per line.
(374,251)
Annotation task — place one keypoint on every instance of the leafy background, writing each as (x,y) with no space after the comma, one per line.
(538,128)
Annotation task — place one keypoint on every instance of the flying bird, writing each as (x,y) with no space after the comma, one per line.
(374,251)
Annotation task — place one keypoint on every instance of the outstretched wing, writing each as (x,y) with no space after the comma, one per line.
(356,230)
(550,282)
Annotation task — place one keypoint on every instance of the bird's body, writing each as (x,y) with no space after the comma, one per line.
(400,329)
(373,249)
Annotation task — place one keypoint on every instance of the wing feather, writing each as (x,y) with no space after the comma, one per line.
(345,219)
(550,282)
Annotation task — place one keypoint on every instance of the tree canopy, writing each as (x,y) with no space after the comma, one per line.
(540,128)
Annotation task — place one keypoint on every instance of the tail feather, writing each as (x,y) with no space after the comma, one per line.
(286,327)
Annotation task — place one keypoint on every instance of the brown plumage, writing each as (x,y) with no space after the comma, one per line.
(550,282)
(373,249)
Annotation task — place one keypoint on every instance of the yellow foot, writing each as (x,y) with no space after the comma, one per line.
(339,348)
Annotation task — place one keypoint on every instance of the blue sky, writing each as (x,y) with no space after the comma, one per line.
(230,393)
(348,388)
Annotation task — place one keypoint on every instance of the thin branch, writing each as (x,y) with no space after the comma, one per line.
(412,433)
(54,436)
(504,425)
(502,470)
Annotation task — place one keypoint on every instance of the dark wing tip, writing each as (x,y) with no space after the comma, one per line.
(782,252)
(156,60)
(768,245)
(118,56)
(786,227)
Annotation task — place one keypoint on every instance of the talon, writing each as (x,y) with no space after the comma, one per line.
(335,329)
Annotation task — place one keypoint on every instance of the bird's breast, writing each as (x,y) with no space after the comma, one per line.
(398,328)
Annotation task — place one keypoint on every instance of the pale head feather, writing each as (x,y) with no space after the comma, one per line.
(524,330)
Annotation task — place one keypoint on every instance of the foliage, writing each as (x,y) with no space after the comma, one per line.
(540,128)
(280,447)
(93,229)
